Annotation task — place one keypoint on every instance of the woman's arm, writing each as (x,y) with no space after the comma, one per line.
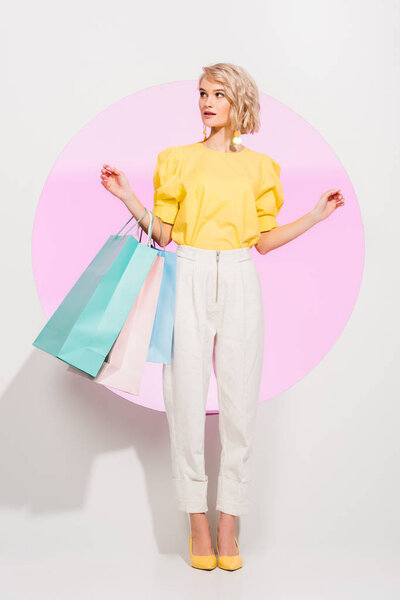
(278,236)
(116,182)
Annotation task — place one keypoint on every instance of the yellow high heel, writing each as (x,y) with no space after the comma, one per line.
(207,562)
(230,563)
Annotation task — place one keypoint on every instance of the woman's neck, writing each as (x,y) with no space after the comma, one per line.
(221,140)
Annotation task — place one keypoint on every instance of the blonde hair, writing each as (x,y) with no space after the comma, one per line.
(241,91)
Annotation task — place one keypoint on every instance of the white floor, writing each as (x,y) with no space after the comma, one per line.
(275,576)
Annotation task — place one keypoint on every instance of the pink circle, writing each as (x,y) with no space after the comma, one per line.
(309,285)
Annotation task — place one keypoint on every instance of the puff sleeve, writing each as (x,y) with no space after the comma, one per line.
(270,196)
(167,185)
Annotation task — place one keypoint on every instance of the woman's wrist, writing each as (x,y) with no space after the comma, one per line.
(128,196)
(313,217)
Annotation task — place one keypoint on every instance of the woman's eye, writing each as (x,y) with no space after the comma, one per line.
(218,94)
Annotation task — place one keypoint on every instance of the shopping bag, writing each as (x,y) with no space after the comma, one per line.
(160,347)
(55,332)
(124,365)
(101,320)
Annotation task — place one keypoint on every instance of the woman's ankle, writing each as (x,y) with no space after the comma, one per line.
(227,522)
(199,524)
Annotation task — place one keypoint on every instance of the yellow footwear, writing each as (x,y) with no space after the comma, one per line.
(230,563)
(207,562)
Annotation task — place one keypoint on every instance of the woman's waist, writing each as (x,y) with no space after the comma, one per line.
(211,256)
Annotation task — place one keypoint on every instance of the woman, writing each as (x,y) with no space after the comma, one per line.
(216,199)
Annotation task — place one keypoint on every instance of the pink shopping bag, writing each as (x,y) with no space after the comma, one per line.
(124,365)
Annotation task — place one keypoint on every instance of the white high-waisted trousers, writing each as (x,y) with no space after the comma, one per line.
(219,321)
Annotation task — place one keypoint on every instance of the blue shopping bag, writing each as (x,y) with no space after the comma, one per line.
(160,348)
(57,329)
(101,320)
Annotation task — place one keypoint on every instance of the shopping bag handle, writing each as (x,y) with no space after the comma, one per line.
(150,230)
(135,223)
(162,233)
(127,224)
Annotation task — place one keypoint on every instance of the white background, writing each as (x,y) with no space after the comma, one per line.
(86,502)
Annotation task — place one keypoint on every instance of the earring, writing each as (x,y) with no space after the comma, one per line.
(205,133)
(236,137)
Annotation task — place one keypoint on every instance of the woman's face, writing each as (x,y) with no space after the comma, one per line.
(213,100)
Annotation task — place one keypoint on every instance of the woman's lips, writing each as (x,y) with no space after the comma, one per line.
(209,114)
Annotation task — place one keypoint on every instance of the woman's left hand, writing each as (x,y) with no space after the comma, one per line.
(328,202)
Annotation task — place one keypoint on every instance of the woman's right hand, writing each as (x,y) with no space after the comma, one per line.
(115,181)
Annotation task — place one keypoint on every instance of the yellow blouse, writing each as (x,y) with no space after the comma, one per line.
(216,200)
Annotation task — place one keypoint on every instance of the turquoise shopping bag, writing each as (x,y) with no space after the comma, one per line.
(57,329)
(101,320)
(160,347)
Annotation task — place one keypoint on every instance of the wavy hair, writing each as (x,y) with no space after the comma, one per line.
(241,91)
